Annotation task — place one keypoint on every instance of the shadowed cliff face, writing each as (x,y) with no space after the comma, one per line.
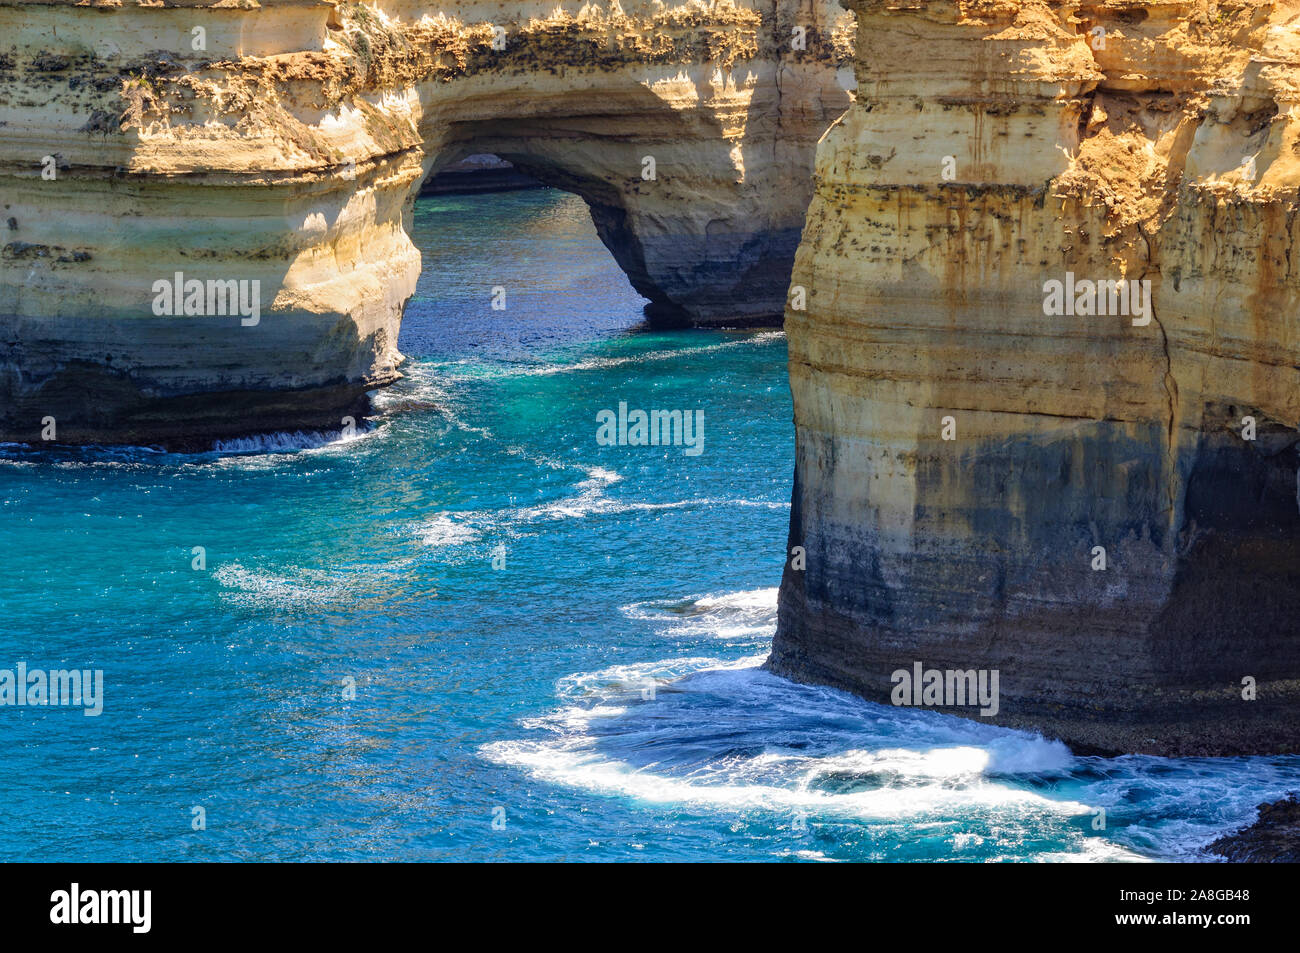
(1097,500)
(284,144)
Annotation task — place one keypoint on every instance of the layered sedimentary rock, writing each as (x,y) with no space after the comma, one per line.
(283,143)
(1095,498)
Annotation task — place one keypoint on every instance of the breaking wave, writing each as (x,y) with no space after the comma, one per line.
(725,737)
(285,442)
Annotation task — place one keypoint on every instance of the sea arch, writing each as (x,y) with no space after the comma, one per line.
(283,144)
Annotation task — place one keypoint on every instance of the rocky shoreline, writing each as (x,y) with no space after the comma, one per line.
(1273,838)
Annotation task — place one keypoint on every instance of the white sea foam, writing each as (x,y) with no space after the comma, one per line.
(813,855)
(1034,755)
(960,841)
(267,589)
(310,588)
(580,766)
(749,614)
(589,499)
(603,363)
(628,680)
(589,496)
(445,529)
(1093,850)
(725,736)
(280,442)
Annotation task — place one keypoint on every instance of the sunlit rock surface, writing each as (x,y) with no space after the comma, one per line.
(996,147)
(284,142)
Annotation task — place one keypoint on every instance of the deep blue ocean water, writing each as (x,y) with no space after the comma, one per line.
(597,695)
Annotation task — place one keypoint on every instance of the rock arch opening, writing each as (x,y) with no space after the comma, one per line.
(500,161)
(286,149)
(506,272)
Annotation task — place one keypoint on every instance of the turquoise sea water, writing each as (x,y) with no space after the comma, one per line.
(599,696)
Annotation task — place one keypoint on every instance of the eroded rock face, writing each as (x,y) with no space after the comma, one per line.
(994,148)
(1273,838)
(284,144)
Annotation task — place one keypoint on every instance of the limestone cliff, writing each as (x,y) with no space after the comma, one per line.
(1100,527)
(283,142)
